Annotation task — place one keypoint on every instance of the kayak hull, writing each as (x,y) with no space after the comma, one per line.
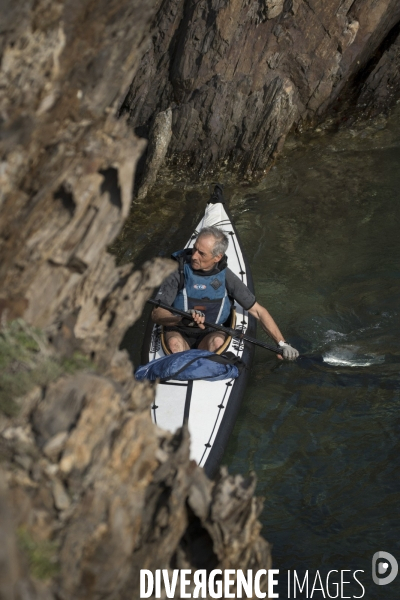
(209,408)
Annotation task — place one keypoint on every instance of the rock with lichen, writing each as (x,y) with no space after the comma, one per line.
(91,491)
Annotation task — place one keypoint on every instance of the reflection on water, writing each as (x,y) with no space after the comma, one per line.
(322,234)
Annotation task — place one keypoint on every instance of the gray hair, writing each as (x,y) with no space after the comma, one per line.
(221,240)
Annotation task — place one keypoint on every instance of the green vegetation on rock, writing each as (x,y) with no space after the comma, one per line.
(26,360)
(41,554)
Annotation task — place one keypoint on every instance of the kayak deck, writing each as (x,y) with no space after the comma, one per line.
(209,408)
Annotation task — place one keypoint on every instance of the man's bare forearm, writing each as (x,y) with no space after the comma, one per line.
(161,316)
(270,327)
(267,322)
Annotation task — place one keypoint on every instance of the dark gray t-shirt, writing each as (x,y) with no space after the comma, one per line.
(235,288)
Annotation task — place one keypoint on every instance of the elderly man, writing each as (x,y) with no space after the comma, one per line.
(204,286)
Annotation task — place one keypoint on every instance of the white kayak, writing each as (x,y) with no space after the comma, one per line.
(209,408)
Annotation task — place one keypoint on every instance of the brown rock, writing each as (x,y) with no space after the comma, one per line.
(9,571)
(61,498)
(273,8)
(55,445)
(67,164)
(159,139)
(12,308)
(229,66)
(96,481)
(59,409)
(382,88)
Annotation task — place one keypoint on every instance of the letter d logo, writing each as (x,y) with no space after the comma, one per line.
(383,567)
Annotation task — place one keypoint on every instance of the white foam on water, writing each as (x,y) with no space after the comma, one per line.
(336,361)
(332,335)
(346,357)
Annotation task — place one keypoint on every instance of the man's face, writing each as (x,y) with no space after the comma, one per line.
(202,257)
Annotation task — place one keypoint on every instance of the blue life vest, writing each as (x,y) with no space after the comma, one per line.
(191,365)
(206,293)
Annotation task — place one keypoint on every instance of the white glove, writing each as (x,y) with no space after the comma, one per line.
(288,351)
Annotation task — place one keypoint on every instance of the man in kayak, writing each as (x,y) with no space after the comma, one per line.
(203,286)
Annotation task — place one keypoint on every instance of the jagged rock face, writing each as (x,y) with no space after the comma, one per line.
(94,491)
(90,481)
(67,171)
(115,495)
(239,74)
(159,139)
(381,88)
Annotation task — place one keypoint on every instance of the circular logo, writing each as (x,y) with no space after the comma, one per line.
(380,568)
(199,286)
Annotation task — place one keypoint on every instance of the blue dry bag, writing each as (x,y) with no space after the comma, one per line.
(190,365)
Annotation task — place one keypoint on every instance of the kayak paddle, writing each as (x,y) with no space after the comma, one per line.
(228,330)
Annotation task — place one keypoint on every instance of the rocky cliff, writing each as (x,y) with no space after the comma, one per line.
(239,74)
(90,491)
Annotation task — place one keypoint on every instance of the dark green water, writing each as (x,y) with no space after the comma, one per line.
(322,233)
